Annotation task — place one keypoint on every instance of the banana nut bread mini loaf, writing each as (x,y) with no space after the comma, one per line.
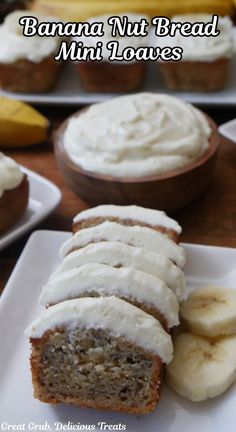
(14,193)
(104,335)
(99,352)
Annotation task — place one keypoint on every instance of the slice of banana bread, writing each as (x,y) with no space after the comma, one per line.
(117,254)
(128,215)
(139,236)
(98,280)
(99,352)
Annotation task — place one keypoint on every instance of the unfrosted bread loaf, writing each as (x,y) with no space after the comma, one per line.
(112,357)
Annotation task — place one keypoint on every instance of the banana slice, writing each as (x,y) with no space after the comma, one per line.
(202,368)
(210,311)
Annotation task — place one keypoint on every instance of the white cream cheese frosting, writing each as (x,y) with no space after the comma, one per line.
(11,175)
(116,254)
(137,136)
(124,282)
(200,48)
(110,313)
(133,213)
(138,236)
(124,41)
(15,46)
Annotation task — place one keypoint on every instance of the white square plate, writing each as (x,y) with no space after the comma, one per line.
(19,306)
(44,198)
(69,90)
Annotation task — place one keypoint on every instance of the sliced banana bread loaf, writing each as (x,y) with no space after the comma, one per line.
(99,352)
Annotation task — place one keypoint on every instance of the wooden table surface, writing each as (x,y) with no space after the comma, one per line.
(210,219)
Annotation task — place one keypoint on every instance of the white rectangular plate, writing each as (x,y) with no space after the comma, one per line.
(19,306)
(44,198)
(69,90)
(228,130)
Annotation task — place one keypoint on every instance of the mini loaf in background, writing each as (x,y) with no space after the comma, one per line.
(203,57)
(27,64)
(107,76)
(14,193)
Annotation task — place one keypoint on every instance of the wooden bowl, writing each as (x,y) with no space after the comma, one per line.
(169,191)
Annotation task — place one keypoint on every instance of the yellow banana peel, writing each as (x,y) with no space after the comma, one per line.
(81,10)
(20,124)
